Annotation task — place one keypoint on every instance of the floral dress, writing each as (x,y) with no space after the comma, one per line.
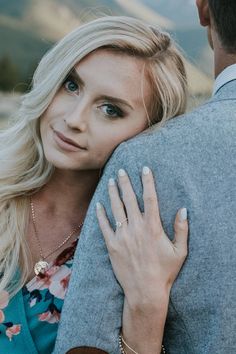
(29,320)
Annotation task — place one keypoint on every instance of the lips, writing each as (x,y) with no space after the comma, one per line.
(67,141)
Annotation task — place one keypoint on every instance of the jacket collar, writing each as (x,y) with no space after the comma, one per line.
(227,75)
(226,91)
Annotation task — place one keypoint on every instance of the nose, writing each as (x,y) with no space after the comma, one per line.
(77,116)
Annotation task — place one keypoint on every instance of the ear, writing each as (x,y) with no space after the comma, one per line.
(203,12)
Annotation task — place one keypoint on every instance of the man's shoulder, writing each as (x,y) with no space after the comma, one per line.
(186,134)
(175,132)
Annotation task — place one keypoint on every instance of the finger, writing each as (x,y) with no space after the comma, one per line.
(181,231)
(151,206)
(128,196)
(117,205)
(104,224)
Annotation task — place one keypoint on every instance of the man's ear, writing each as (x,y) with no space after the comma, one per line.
(203,12)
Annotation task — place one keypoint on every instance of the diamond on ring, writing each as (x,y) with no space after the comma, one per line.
(119,223)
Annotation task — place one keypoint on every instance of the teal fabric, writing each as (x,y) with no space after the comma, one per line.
(15,315)
(29,321)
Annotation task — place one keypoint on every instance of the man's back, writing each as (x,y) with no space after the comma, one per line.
(193,160)
(202,314)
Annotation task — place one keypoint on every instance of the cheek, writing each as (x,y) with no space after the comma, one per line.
(104,150)
(103,147)
(49,117)
(55,111)
(46,134)
(109,139)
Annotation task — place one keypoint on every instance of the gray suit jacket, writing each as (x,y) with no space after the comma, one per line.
(194,160)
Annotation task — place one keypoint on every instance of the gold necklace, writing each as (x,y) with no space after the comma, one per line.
(42,265)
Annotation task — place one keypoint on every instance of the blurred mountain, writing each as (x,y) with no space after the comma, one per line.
(182,12)
(28,28)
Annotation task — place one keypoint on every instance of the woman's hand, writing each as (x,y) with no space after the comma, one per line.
(143,258)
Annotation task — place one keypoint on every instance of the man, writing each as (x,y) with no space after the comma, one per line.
(194,160)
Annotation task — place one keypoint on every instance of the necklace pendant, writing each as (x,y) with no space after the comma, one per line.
(41,267)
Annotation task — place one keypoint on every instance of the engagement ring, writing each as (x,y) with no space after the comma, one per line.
(119,223)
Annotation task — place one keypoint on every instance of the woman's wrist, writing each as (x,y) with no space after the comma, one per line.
(126,349)
(143,326)
(156,301)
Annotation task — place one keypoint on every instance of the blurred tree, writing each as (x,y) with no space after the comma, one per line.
(29,75)
(9,74)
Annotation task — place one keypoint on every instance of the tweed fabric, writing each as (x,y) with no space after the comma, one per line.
(193,158)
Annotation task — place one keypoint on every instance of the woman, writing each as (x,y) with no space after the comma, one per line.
(105,82)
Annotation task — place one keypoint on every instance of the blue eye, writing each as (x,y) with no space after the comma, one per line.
(71,85)
(112,111)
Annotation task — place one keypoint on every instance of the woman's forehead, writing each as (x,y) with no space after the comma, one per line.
(115,73)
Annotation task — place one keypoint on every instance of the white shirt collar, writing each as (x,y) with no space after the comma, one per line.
(224,77)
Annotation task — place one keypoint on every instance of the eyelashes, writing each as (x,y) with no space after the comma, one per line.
(108,109)
(112,111)
(70,84)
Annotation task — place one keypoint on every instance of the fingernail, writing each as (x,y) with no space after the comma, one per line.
(98,206)
(111,182)
(146,170)
(183,214)
(121,172)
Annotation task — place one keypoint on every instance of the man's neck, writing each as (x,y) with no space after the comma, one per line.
(223,59)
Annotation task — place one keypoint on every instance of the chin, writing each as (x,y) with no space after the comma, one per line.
(65,165)
(62,161)
(59,161)
(69,164)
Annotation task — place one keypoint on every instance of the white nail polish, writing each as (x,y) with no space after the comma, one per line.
(111,182)
(98,206)
(121,172)
(146,170)
(183,214)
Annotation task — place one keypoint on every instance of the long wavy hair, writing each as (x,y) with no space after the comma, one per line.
(24,168)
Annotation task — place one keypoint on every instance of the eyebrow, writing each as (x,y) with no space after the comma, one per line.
(74,74)
(116,100)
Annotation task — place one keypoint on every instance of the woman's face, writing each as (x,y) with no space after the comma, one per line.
(99,105)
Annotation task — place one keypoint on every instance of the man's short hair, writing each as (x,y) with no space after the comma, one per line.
(224,15)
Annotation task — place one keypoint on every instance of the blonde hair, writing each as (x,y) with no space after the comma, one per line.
(24,168)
